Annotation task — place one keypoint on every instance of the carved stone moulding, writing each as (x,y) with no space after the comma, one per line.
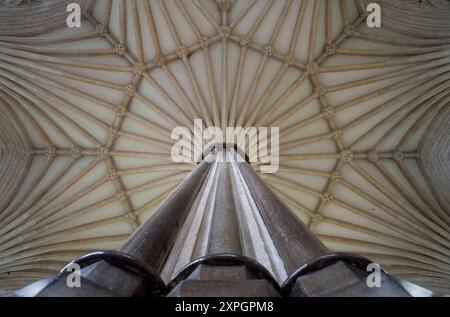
(434,159)
(15,158)
(32,17)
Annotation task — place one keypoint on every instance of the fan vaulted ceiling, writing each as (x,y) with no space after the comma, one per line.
(87,113)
